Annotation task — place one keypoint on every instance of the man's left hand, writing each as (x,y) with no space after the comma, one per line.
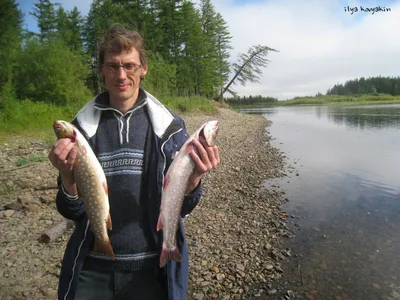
(206,160)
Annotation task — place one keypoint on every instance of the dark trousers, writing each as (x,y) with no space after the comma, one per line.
(148,284)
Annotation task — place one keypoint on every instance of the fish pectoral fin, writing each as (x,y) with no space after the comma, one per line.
(159,223)
(109,224)
(105,187)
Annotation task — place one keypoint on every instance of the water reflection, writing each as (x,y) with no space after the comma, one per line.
(364,118)
(346,200)
(353,117)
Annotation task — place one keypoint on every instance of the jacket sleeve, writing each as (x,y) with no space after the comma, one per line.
(190,201)
(70,207)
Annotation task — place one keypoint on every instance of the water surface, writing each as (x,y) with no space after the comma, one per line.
(344,198)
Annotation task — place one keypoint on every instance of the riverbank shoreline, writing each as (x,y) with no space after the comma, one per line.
(234,234)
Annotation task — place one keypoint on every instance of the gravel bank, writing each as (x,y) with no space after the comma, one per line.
(233,235)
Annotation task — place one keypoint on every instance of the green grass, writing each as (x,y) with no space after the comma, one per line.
(29,159)
(343,100)
(35,119)
(189,104)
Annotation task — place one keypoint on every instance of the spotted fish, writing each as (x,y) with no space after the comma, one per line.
(175,184)
(92,186)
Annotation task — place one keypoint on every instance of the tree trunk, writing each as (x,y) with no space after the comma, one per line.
(220,97)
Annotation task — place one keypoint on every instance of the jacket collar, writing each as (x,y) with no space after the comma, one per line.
(160,117)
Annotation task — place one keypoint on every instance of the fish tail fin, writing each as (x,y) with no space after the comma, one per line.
(103,247)
(169,254)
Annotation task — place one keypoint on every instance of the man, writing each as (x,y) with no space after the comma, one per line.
(135,138)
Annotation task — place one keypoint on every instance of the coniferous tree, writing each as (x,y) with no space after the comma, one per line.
(210,55)
(10,38)
(75,26)
(63,30)
(223,46)
(189,65)
(249,67)
(168,21)
(217,41)
(45,15)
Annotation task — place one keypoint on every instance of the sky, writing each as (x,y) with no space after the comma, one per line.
(320,43)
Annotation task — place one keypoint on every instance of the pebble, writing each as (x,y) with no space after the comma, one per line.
(33,207)
(199,296)
(240,267)
(214,269)
(48,198)
(24,199)
(8,213)
(220,276)
(13,206)
(269,267)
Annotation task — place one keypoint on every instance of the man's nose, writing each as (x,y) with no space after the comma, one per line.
(121,73)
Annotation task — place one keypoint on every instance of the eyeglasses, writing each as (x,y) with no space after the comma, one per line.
(128,67)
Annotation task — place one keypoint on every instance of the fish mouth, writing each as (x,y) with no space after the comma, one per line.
(209,132)
(56,125)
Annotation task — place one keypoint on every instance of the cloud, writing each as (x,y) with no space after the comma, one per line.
(320,44)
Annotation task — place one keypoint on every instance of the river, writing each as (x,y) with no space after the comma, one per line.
(343,187)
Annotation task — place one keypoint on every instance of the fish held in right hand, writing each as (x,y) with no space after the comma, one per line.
(91,185)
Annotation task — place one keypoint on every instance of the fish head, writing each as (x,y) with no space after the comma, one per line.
(209,132)
(64,129)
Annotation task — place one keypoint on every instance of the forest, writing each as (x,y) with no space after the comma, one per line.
(362,91)
(372,85)
(53,72)
(188,48)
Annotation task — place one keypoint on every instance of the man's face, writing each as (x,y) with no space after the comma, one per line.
(122,83)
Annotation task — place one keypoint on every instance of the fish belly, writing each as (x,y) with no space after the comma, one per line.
(173,196)
(91,190)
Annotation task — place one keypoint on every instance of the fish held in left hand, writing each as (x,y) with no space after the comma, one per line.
(175,184)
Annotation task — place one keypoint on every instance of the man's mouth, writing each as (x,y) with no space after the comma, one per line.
(121,86)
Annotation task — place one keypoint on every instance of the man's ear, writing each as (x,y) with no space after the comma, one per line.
(143,72)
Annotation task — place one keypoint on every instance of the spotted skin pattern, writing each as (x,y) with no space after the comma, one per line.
(92,187)
(175,184)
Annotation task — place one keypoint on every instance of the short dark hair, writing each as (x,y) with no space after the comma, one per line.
(117,38)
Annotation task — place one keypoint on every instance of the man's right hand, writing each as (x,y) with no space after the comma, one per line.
(62,157)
